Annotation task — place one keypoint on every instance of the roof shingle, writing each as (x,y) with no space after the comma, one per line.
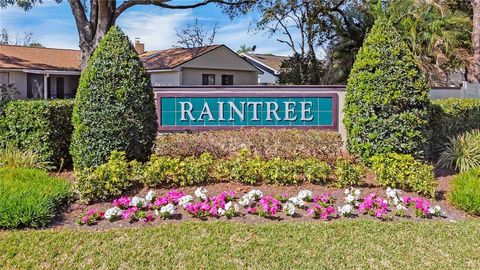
(272,61)
(21,57)
(171,58)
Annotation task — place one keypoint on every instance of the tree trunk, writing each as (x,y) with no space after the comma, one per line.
(474,73)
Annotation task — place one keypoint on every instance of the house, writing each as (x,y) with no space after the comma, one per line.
(269,64)
(208,65)
(40,72)
(55,73)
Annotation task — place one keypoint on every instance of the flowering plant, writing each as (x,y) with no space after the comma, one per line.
(122,202)
(282,198)
(184,200)
(270,206)
(174,196)
(113,214)
(231,210)
(91,218)
(138,202)
(289,208)
(374,206)
(305,195)
(251,197)
(201,193)
(200,210)
(151,196)
(324,200)
(323,212)
(166,211)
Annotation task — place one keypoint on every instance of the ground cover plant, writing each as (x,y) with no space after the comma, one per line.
(12,157)
(343,244)
(30,198)
(114,105)
(202,205)
(465,191)
(387,103)
(263,142)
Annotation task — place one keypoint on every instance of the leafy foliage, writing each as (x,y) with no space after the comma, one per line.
(12,157)
(403,171)
(105,181)
(114,108)
(266,143)
(314,170)
(43,126)
(348,174)
(243,168)
(30,198)
(280,172)
(300,70)
(462,152)
(387,103)
(465,191)
(452,117)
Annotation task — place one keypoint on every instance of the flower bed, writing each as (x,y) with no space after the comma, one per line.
(174,204)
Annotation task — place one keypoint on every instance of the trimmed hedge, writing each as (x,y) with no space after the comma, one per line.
(264,142)
(30,198)
(403,171)
(43,126)
(452,117)
(465,191)
(387,105)
(114,107)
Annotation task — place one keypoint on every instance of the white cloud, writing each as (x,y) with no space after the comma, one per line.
(156,31)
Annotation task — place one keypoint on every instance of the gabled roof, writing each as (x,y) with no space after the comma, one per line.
(274,62)
(21,57)
(172,58)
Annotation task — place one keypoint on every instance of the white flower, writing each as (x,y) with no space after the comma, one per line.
(150,197)
(346,209)
(113,213)
(350,198)
(296,201)
(357,192)
(169,208)
(436,211)
(221,211)
(396,201)
(289,208)
(400,207)
(347,191)
(305,195)
(201,193)
(245,200)
(255,194)
(138,202)
(184,200)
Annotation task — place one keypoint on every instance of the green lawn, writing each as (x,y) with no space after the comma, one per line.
(226,245)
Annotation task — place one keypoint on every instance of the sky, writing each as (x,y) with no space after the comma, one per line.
(53,26)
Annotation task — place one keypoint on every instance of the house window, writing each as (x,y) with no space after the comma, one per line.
(4,78)
(227,79)
(208,79)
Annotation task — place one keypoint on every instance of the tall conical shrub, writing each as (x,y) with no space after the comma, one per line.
(387,103)
(114,105)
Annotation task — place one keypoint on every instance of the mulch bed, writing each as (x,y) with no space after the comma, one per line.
(74,211)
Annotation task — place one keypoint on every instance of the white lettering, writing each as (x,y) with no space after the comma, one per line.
(289,111)
(255,109)
(220,111)
(234,108)
(306,110)
(184,111)
(271,111)
(206,112)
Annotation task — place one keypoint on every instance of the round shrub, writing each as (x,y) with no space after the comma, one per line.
(114,107)
(387,103)
(465,191)
(348,174)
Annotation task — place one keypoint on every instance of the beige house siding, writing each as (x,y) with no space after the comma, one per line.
(165,78)
(193,76)
(20,80)
(220,58)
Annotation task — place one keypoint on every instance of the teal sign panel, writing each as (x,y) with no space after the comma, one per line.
(217,112)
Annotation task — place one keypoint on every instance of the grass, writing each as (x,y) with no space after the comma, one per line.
(30,198)
(228,245)
(465,191)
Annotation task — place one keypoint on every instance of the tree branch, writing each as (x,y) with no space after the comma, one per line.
(163,3)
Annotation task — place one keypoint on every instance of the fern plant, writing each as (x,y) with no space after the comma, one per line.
(461,152)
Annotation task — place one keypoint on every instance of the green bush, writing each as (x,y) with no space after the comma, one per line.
(403,171)
(348,174)
(387,105)
(11,157)
(114,107)
(281,172)
(314,170)
(465,191)
(243,168)
(265,143)
(30,198)
(43,126)
(461,152)
(452,117)
(159,170)
(105,181)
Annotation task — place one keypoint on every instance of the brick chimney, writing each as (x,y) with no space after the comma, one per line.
(139,47)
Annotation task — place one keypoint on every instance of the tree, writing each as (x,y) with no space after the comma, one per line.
(474,74)
(195,35)
(438,37)
(114,105)
(387,104)
(298,70)
(27,39)
(246,49)
(95,17)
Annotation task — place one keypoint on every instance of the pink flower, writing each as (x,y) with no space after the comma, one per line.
(161,201)
(147,218)
(91,211)
(251,210)
(129,212)
(174,196)
(122,202)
